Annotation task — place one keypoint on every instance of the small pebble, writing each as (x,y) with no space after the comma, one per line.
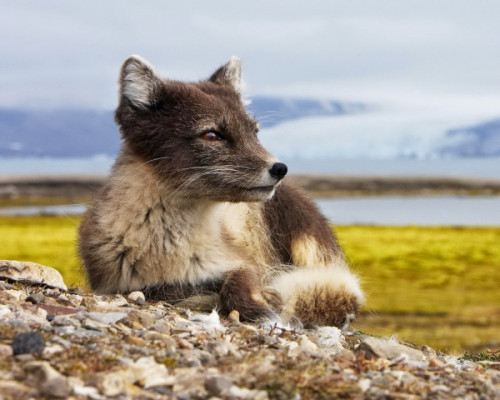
(5,351)
(136,296)
(78,291)
(27,343)
(36,298)
(234,316)
(140,301)
(216,385)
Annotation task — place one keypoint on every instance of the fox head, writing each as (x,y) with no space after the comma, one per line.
(197,136)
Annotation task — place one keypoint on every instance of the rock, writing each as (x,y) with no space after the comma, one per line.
(185,344)
(106,318)
(243,393)
(136,297)
(75,300)
(27,343)
(31,273)
(347,355)
(24,358)
(374,347)
(5,311)
(58,310)
(5,351)
(36,298)
(94,325)
(49,351)
(217,385)
(113,384)
(169,342)
(87,392)
(19,326)
(149,373)
(90,303)
(16,390)
(303,344)
(234,316)
(181,325)
(138,319)
(51,383)
(221,348)
(306,344)
(162,326)
(328,337)
(111,301)
(65,320)
(15,294)
(364,384)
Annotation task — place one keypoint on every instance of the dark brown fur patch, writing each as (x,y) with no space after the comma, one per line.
(290,214)
(322,306)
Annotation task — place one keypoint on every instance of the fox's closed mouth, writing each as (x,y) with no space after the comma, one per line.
(261,188)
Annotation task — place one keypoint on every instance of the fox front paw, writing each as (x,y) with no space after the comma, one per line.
(242,292)
(251,305)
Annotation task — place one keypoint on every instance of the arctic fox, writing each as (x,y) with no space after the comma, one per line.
(196,208)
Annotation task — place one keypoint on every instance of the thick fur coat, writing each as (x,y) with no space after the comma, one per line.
(196,210)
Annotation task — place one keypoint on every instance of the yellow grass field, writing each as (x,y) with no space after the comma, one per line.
(435,286)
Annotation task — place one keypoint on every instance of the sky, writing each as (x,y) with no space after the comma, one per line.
(389,52)
(423,68)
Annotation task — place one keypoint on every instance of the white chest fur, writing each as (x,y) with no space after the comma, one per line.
(157,238)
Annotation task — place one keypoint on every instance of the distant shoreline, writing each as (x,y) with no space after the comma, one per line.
(69,189)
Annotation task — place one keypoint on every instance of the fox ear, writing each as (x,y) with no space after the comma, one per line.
(229,74)
(139,82)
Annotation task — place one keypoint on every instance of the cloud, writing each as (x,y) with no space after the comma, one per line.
(69,54)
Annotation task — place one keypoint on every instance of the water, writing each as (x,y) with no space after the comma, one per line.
(72,209)
(444,210)
(480,168)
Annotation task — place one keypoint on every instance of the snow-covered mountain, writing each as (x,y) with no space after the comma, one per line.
(83,133)
(292,128)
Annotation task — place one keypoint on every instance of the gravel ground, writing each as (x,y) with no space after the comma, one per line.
(59,343)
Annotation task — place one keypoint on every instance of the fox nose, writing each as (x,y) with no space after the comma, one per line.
(278,170)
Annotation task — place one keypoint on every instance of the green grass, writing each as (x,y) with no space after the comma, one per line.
(435,286)
(430,285)
(45,240)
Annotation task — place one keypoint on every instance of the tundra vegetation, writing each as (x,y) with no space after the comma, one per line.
(429,285)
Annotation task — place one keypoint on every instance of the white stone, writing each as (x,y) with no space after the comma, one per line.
(134,296)
(5,311)
(16,294)
(149,373)
(31,272)
(87,391)
(243,393)
(49,351)
(328,336)
(107,318)
(113,384)
(364,384)
(5,351)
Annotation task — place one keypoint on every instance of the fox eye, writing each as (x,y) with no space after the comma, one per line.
(211,136)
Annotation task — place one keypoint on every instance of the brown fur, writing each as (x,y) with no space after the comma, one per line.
(183,215)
